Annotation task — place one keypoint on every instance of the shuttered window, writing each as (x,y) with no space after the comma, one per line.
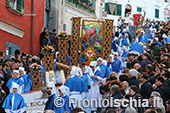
(113,9)
(119,9)
(156,13)
(139,9)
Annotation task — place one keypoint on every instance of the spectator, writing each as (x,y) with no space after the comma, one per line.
(53,36)
(137,67)
(162,89)
(166,80)
(133,60)
(146,87)
(133,90)
(149,70)
(46,40)
(132,78)
(145,61)
(42,36)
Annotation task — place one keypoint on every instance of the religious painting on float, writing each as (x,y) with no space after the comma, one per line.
(50,76)
(91,41)
(60,77)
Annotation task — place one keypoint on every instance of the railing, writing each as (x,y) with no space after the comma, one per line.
(81,5)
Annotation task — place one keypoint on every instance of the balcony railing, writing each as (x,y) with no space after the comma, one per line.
(82,5)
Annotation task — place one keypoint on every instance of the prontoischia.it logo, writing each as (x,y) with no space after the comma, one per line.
(111,102)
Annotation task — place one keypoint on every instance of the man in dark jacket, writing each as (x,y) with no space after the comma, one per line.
(46,40)
(133,61)
(42,36)
(146,88)
(162,89)
(149,70)
(132,78)
(53,36)
(145,61)
(166,80)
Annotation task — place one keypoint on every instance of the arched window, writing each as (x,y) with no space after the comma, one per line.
(128,10)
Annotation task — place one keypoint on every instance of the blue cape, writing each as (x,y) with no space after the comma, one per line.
(27,83)
(76,84)
(18,102)
(143,38)
(86,79)
(17,80)
(136,47)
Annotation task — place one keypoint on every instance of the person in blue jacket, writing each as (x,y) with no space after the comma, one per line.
(120,40)
(102,68)
(118,61)
(27,81)
(143,37)
(64,92)
(14,102)
(112,65)
(126,41)
(50,104)
(15,78)
(157,41)
(77,86)
(166,39)
(114,44)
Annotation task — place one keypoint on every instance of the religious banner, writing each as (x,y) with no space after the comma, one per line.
(50,76)
(91,41)
(60,77)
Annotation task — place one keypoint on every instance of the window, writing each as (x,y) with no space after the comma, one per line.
(17,5)
(48,5)
(156,13)
(113,9)
(139,9)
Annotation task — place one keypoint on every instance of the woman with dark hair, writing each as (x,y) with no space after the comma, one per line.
(133,90)
(166,59)
(158,69)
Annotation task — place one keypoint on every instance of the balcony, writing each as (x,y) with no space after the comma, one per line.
(83,4)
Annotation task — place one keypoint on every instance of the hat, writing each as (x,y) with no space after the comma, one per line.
(99,59)
(65,90)
(131,53)
(22,69)
(124,47)
(142,31)
(156,38)
(15,85)
(16,71)
(164,36)
(144,76)
(115,38)
(126,35)
(144,47)
(93,63)
(116,53)
(120,35)
(51,84)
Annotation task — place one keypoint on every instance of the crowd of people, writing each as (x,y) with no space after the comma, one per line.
(135,69)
